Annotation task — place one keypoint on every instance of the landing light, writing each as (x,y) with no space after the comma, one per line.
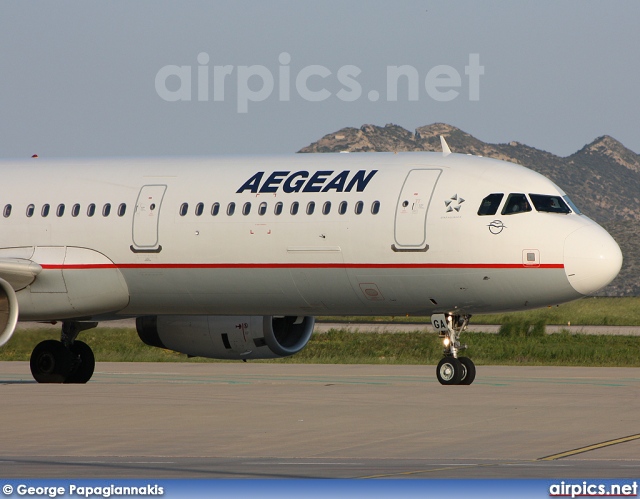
(446,342)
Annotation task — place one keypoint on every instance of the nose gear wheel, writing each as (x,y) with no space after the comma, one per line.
(453,370)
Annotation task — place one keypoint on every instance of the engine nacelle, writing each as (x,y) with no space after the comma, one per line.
(8,311)
(227,337)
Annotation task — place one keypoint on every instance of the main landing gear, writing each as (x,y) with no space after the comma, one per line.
(452,369)
(64,361)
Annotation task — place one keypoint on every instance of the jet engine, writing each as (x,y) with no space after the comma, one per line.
(227,337)
(8,311)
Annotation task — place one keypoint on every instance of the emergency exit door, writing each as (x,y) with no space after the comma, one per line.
(410,229)
(146,219)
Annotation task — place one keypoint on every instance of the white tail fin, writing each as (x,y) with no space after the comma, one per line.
(445,147)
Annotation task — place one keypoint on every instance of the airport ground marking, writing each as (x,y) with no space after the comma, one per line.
(419,472)
(589,448)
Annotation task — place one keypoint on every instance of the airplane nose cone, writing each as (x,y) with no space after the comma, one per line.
(592,259)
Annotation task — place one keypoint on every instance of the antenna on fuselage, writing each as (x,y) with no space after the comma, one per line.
(445,147)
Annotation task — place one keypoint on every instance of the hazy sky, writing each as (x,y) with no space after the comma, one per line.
(87,78)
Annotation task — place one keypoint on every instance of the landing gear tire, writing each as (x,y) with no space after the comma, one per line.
(84,361)
(449,371)
(51,362)
(469,369)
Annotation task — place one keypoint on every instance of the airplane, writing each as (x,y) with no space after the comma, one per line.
(233,257)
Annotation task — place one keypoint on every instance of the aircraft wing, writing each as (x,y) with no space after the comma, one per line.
(18,272)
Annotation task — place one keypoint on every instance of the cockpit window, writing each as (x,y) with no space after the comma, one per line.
(549,204)
(516,203)
(490,204)
(575,209)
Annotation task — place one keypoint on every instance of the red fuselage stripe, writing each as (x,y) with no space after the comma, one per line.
(84,266)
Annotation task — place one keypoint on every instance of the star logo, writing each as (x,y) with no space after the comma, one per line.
(454,203)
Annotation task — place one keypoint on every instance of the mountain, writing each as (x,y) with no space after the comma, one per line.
(602,178)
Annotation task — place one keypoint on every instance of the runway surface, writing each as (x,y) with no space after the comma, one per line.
(251,420)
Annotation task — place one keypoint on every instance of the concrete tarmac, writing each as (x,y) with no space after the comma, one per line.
(252,420)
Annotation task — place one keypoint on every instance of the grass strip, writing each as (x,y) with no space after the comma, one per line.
(343,347)
(591,311)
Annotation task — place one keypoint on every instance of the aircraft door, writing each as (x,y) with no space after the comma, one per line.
(410,229)
(146,219)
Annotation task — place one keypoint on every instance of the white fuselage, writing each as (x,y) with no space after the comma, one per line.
(418,245)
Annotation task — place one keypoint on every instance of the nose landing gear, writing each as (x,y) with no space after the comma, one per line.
(452,369)
(64,361)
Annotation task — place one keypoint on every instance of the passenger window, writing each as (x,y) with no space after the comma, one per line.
(7,211)
(199,209)
(75,210)
(106,209)
(184,208)
(30,209)
(45,210)
(246,209)
(91,210)
(60,210)
(516,203)
(231,209)
(215,209)
(326,208)
(490,204)
(122,209)
(342,208)
(359,207)
(311,206)
(375,208)
(294,208)
(549,204)
(278,208)
(262,209)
